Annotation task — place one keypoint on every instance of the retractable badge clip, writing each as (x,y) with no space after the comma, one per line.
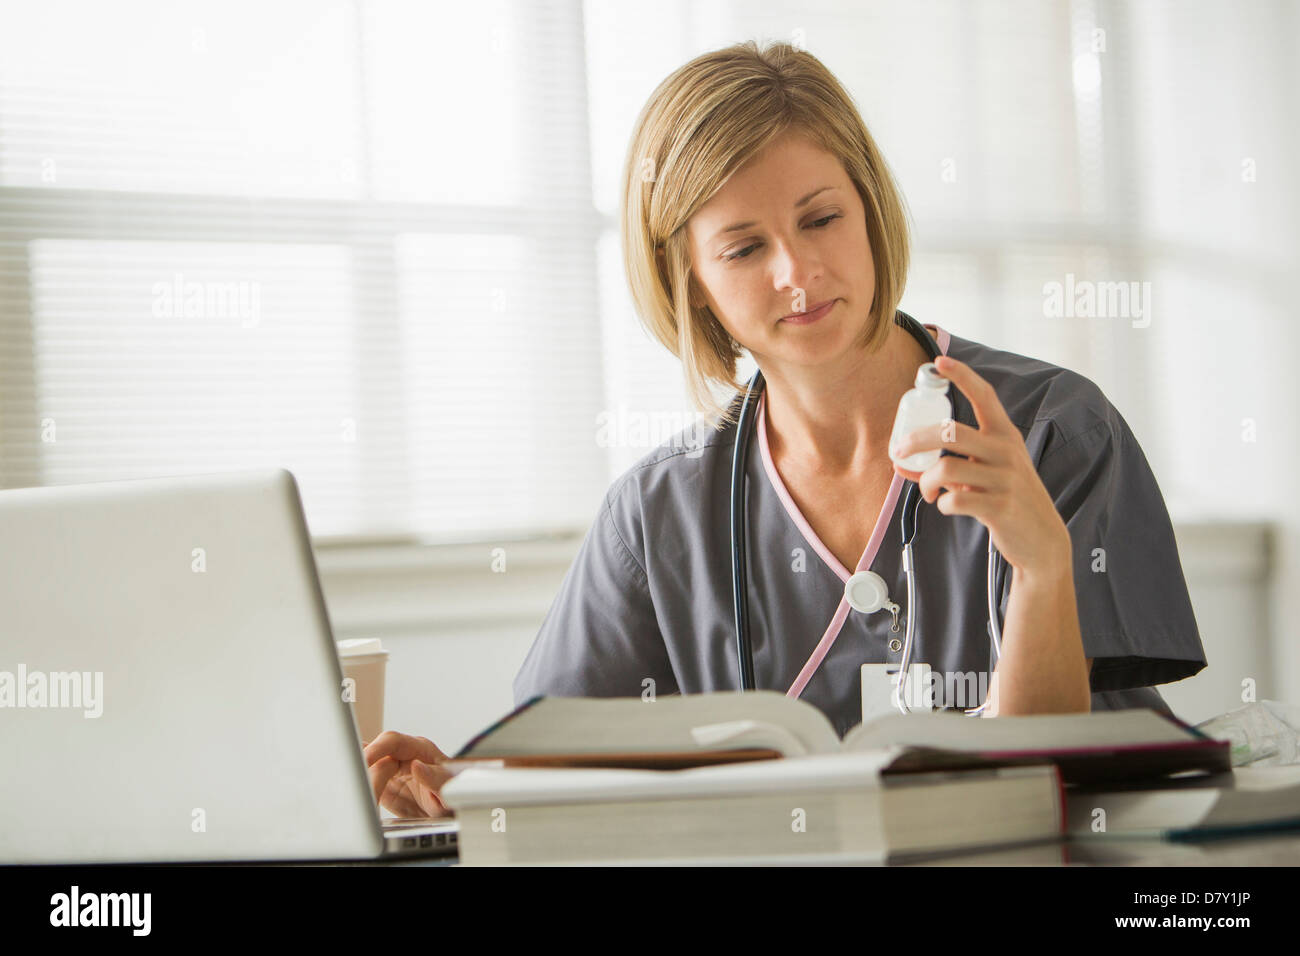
(867,592)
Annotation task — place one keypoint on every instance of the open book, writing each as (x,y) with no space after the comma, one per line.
(727,726)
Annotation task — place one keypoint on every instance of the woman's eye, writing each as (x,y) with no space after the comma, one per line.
(821,223)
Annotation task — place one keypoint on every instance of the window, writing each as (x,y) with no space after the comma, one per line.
(376,241)
(353,239)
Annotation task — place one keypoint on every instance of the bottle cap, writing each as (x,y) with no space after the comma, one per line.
(927,376)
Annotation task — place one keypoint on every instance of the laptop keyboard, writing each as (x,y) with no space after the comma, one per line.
(431,833)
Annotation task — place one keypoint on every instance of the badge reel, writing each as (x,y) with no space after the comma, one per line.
(867,592)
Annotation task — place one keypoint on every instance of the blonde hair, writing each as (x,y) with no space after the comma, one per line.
(701,124)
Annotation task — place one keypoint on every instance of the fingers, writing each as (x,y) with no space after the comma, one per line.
(381,747)
(388,784)
(429,751)
(382,773)
(399,803)
(401,796)
(958,474)
(951,435)
(427,784)
(402,747)
(406,774)
(983,398)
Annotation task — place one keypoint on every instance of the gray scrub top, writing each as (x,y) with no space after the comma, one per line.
(649,594)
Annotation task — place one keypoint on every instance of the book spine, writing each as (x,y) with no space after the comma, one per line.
(1061,805)
(468,749)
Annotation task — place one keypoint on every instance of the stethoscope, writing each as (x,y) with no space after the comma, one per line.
(865,591)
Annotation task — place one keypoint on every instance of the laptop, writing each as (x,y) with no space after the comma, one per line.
(170,690)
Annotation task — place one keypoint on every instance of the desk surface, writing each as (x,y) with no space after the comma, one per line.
(1262,849)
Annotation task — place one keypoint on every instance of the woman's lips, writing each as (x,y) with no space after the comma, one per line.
(811,316)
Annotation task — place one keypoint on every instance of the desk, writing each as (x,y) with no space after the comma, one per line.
(1261,849)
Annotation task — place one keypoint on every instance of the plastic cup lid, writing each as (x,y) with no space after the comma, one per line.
(356,646)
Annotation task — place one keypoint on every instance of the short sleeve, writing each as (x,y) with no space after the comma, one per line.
(600,637)
(1135,614)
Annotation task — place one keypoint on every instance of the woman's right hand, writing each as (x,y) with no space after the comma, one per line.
(406,774)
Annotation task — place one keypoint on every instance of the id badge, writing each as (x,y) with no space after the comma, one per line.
(880,689)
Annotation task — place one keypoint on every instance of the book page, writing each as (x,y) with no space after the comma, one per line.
(955,731)
(488,786)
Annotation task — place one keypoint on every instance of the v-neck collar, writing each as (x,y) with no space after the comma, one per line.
(886,508)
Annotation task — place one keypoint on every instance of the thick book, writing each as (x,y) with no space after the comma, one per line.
(1191,807)
(824,808)
(695,730)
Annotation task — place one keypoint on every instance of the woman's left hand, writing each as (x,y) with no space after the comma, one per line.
(996,483)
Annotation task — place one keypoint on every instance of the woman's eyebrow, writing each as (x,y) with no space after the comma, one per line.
(736,226)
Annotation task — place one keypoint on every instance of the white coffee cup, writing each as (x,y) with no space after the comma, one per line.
(363,661)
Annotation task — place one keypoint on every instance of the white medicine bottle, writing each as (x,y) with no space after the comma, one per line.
(926,404)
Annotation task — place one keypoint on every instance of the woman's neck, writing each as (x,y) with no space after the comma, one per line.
(838,420)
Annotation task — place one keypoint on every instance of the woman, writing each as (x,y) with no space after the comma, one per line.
(759,215)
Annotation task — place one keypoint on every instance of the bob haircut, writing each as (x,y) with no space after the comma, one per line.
(702,123)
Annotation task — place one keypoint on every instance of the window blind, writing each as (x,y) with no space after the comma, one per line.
(375,241)
(353,239)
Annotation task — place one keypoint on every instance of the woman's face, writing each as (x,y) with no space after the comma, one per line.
(796,245)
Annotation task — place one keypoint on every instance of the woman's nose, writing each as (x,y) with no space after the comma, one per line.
(796,266)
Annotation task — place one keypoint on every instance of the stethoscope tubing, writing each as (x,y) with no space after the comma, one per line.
(912,501)
(739,532)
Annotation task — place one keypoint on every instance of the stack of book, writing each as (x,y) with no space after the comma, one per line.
(759,777)
(1190,807)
